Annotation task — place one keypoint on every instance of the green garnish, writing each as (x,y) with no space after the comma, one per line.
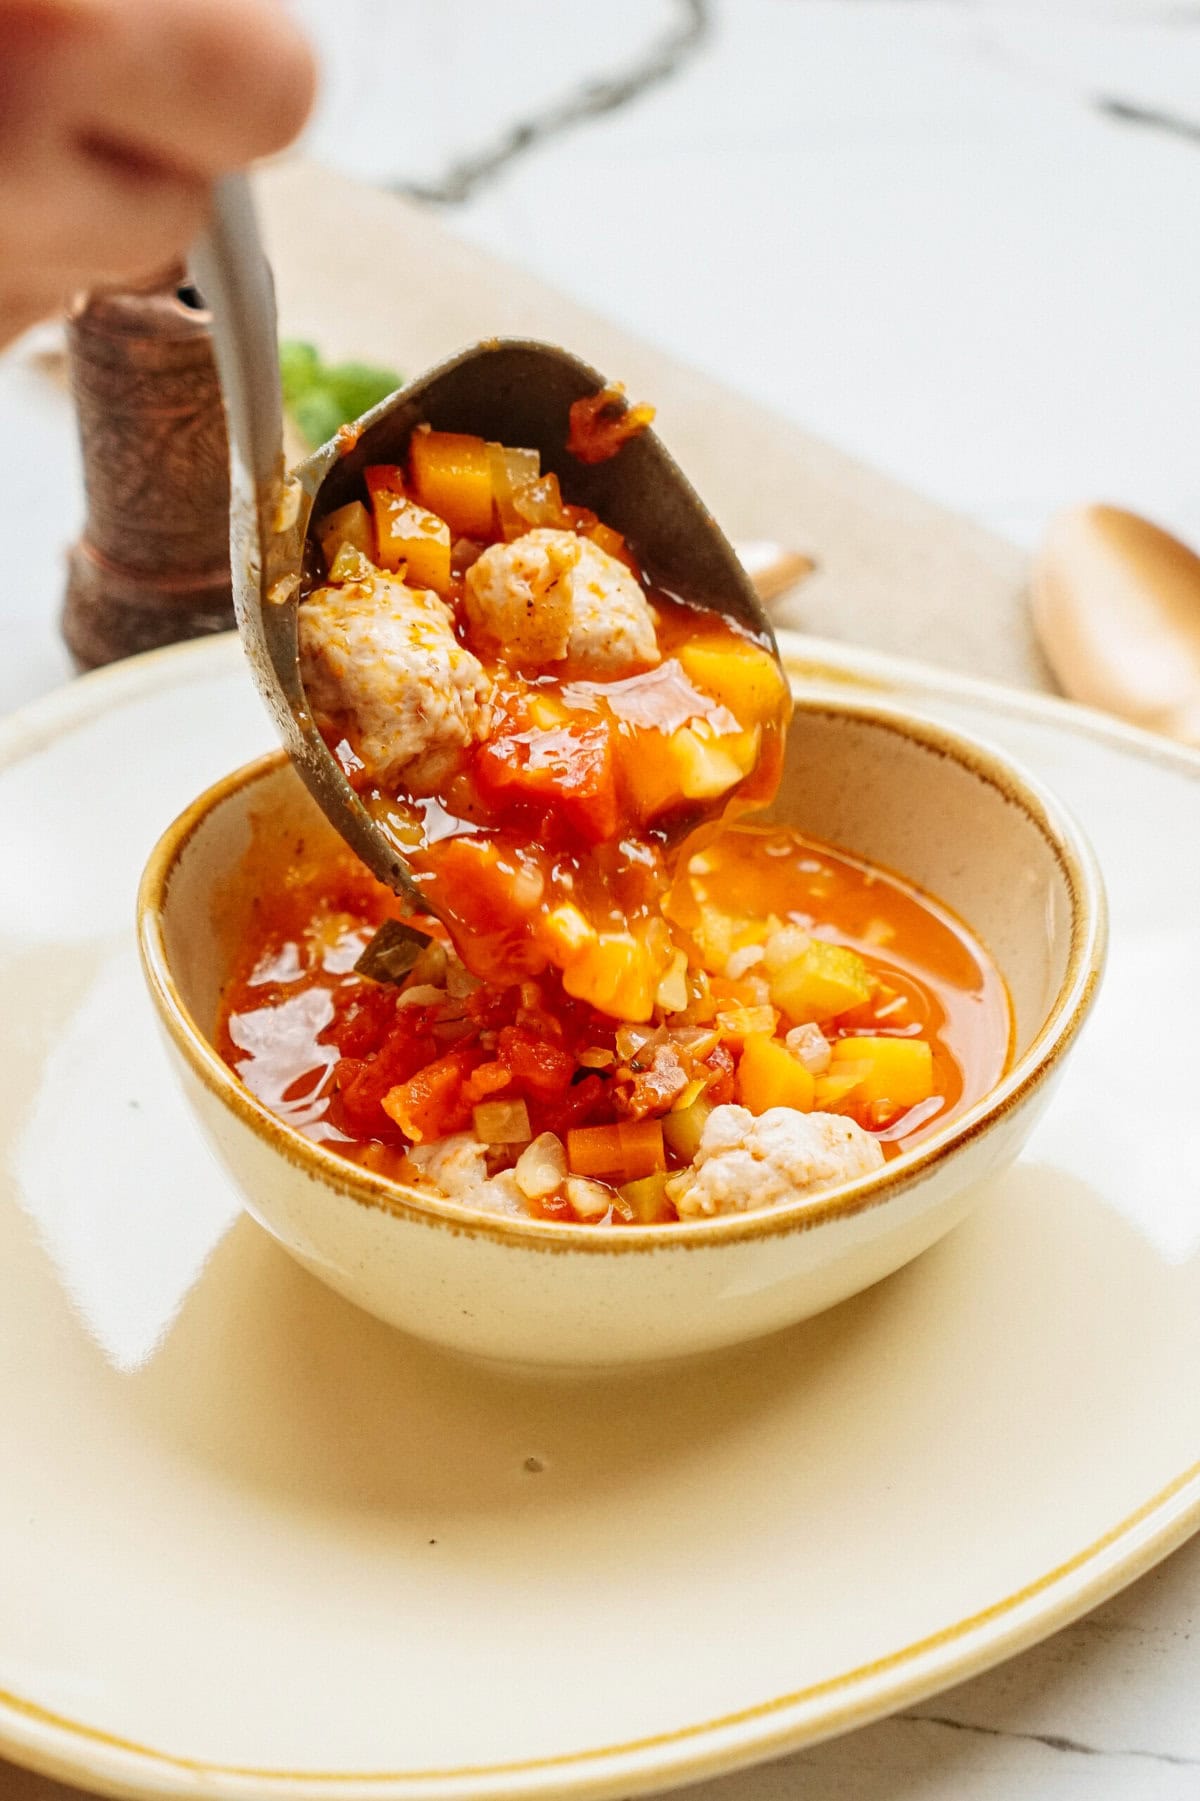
(321,397)
(392,952)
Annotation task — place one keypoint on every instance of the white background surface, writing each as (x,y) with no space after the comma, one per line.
(906,224)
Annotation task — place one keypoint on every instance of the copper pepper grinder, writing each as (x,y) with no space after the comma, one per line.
(152,565)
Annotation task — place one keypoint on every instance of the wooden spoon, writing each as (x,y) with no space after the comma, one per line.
(515,391)
(1116,604)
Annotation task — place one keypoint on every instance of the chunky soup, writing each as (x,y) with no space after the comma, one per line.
(624,1006)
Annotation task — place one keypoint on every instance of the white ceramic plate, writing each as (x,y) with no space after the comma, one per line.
(254,1544)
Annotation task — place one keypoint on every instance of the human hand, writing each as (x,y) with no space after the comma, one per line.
(115,118)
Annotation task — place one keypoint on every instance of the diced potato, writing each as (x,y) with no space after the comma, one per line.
(827,979)
(568,931)
(546,713)
(682,1129)
(704,769)
(351,525)
(743,960)
(769,1076)
(741,676)
(647,1199)
(898,1070)
(452,475)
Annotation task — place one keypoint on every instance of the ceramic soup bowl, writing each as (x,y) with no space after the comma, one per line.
(953,817)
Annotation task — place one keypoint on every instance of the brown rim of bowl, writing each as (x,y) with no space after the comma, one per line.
(1085,961)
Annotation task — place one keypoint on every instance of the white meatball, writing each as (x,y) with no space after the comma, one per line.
(383,657)
(745,1162)
(457,1168)
(551,594)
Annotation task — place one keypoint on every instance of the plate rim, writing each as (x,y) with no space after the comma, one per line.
(71,1750)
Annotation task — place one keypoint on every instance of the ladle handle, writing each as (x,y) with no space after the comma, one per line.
(233,275)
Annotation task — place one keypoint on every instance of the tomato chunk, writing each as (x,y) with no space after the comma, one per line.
(432,1102)
(571,769)
(540,1070)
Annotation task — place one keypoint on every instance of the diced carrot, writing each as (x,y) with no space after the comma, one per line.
(628,1150)
(451,475)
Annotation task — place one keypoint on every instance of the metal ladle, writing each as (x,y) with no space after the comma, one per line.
(510,390)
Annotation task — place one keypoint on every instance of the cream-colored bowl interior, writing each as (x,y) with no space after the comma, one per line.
(955,820)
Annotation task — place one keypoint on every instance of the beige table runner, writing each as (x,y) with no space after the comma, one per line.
(362,274)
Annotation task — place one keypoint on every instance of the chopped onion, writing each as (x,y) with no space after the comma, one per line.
(422,994)
(590,1200)
(809,1045)
(541,1169)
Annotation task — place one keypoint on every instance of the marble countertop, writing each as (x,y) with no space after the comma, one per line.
(959,240)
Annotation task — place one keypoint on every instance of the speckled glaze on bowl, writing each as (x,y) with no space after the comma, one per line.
(953,816)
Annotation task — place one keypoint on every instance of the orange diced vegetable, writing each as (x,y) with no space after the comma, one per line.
(627,1151)
(615,973)
(708,765)
(451,474)
(743,677)
(840,1088)
(649,773)
(898,1070)
(408,534)
(769,1076)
